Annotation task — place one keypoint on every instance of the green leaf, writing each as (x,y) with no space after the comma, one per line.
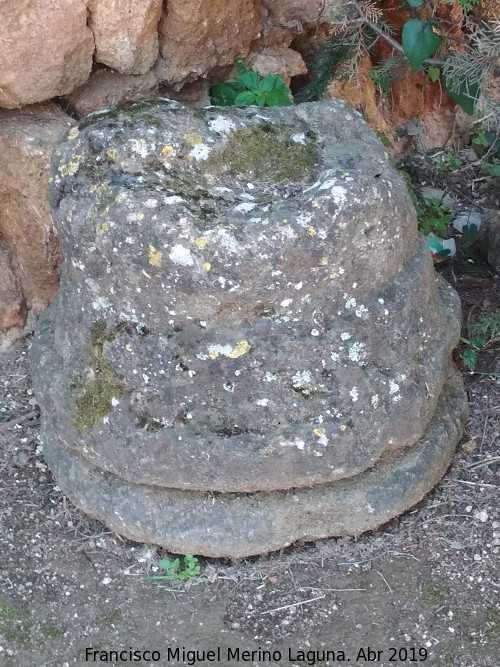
(477,342)
(244,99)
(241,67)
(170,565)
(491,169)
(224,94)
(469,358)
(419,42)
(278,98)
(414,3)
(267,83)
(250,80)
(466,94)
(433,73)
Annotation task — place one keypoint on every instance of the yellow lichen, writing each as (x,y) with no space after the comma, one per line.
(200,242)
(167,151)
(154,256)
(73,133)
(239,350)
(319,432)
(311,231)
(213,354)
(192,139)
(206,266)
(315,204)
(71,167)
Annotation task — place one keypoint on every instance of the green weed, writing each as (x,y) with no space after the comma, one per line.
(486,333)
(250,88)
(433,218)
(172,568)
(448,162)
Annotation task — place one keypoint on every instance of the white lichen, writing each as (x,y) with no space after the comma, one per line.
(181,255)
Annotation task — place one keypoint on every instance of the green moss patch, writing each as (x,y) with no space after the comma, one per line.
(92,399)
(265,152)
(14,623)
(434,592)
(492,626)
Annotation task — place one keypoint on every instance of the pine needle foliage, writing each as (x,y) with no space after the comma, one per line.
(467,65)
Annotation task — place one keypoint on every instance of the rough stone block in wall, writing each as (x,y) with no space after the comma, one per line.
(125,33)
(106,87)
(45,50)
(250,345)
(197,36)
(26,141)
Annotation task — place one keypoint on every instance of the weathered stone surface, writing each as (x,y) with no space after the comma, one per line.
(106,87)
(125,33)
(12,304)
(197,36)
(45,50)
(245,308)
(238,525)
(194,94)
(292,12)
(26,142)
(277,61)
(489,237)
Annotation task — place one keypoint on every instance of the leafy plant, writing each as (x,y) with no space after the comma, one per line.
(448,162)
(419,41)
(433,218)
(486,333)
(463,67)
(251,88)
(481,139)
(491,168)
(488,324)
(172,569)
(468,352)
(468,4)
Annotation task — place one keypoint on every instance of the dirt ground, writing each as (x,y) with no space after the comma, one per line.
(424,588)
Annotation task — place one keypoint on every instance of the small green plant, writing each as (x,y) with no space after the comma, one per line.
(433,218)
(448,162)
(468,353)
(251,88)
(486,333)
(481,139)
(488,324)
(172,569)
(491,168)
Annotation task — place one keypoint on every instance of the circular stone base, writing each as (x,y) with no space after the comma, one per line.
(243,524)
